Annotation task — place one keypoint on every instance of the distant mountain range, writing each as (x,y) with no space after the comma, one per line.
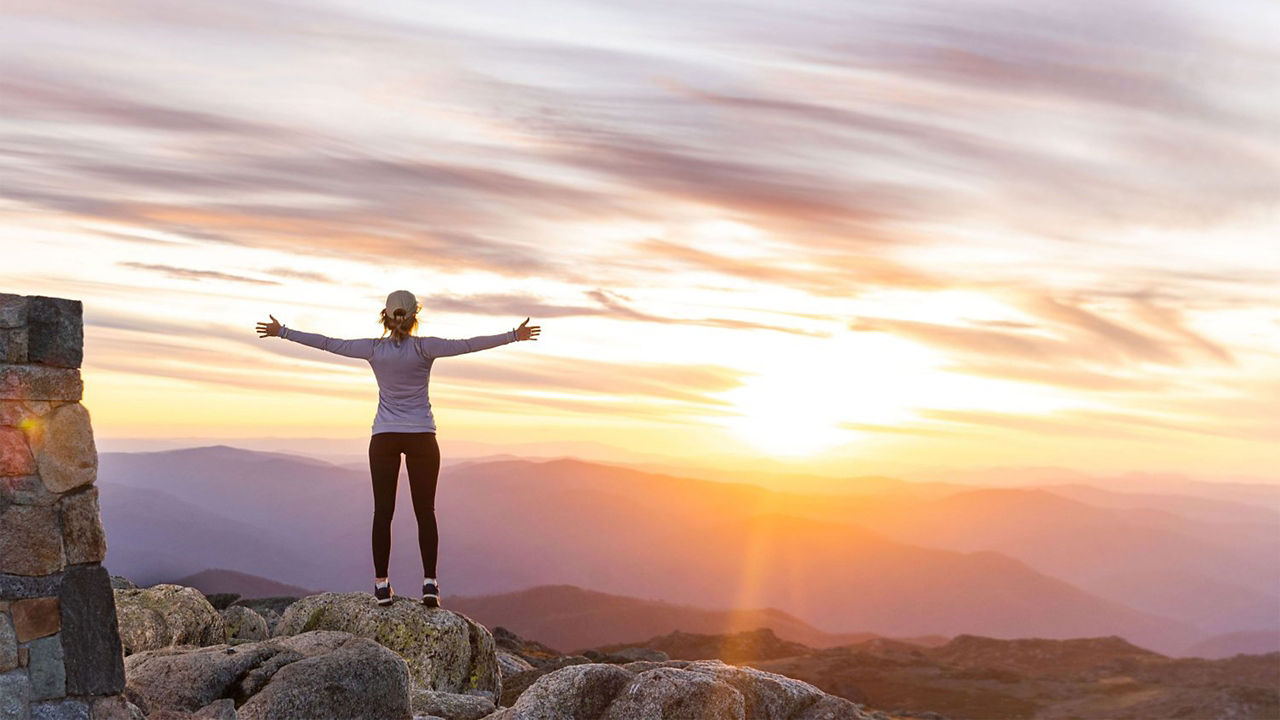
(949,560)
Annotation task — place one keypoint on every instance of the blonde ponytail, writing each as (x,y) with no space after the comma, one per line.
(400,325)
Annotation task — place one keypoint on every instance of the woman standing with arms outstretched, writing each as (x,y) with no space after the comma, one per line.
(403,424)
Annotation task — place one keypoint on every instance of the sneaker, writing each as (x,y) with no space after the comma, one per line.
(383,593)
(430,594)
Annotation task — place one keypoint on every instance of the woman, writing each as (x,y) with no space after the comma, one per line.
(403,424)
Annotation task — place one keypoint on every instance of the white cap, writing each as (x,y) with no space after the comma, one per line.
(401,300)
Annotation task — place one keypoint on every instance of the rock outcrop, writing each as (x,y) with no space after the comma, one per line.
(697,690)
(446,652)
(311,675)
(166,615)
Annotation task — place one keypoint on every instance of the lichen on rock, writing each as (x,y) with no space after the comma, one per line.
(164,615)
(445,651)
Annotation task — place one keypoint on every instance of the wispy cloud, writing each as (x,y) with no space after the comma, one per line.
(193,274)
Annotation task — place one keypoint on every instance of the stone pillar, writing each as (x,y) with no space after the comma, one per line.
(60,653)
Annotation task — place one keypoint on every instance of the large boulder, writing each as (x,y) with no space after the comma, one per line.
(315,674)
(166,615)
(673,690)
(445,651)
(244,624)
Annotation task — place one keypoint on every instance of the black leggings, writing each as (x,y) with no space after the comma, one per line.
(422,459)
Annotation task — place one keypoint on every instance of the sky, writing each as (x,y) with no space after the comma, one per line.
(843,237)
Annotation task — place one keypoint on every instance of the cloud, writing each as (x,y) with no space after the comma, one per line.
(1170,320)
(609,305)
(1075,335)
(34,95)
(1063,375)
(191,274)
(683,383)
(1126,340)
(818,273)
(975,341)
(301,275)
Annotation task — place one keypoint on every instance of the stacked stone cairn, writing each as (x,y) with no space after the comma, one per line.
(60,652)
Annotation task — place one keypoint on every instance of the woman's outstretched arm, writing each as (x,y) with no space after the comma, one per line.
(362,348)
(435,347)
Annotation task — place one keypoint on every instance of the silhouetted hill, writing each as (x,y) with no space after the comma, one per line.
(568,617)
(218,580)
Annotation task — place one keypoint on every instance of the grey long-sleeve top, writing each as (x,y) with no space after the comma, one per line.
(402,371)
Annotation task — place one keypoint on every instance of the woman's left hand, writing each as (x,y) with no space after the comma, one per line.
(527,331)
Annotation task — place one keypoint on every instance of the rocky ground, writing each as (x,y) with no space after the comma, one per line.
(342,656)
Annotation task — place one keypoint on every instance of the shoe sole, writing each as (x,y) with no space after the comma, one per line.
(433,602)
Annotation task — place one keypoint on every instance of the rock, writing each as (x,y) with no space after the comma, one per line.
(272,619)
(830,707)
(56,331)
(8,644)
(532,651)
(23,586)
(764,694)
(66,709)
(94,664)
(224,709)
(15,454)
(450,706)
(510,663)
(120,582)
(244,624)
(18,413)
(82,535)
(46,668)
(33,382)
(445,651)
(15,693)
(13,310)
(36,617)
(165,615)
(64,449)
(315,674)
(30,540)
(698,690)
(575,692)
(513,686)
(25,490)
(13,345)
(116,708)
(669,692)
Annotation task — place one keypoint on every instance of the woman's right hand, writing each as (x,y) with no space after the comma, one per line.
(271,329)
(527,331)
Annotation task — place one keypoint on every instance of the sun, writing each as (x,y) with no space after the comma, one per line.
(804,400)
(786,416)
